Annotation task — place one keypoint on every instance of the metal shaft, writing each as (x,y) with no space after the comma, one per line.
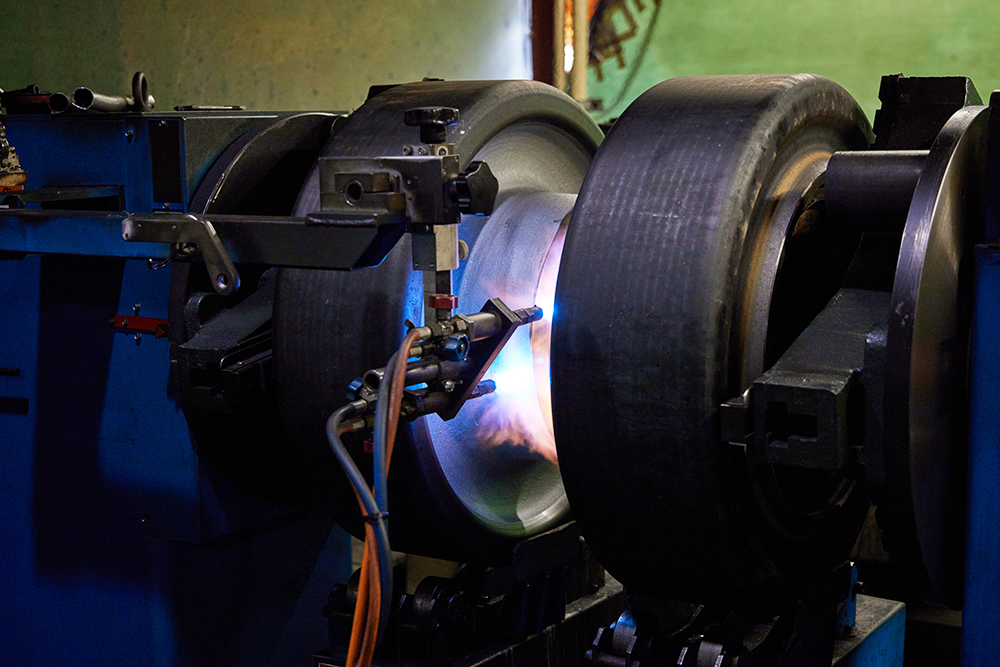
(872,190)
(581,51)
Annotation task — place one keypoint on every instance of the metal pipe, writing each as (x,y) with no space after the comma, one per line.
(29,99)
(559,44)
(140,99)
(422,370)
(87,100)
(58,102)
(581,51)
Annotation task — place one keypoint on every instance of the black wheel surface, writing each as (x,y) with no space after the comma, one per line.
(447,497)
(665,310)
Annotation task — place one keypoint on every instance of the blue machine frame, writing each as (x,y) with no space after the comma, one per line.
(120,546)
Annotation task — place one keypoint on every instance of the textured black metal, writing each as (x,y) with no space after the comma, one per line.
(331,326)
(808,408)
(915,108)
(668,240)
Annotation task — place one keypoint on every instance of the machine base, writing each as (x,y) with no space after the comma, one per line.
(563,643)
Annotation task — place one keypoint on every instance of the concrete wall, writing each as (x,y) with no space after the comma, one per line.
(853,42)
(264,54)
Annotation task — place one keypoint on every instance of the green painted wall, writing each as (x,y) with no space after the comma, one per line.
(308,54)
(853,42)
(264,54)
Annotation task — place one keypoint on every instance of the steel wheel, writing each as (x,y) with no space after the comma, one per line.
(449,497)
(668,301)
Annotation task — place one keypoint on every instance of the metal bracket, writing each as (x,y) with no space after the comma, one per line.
(807,410)
(416,185)
(192,229)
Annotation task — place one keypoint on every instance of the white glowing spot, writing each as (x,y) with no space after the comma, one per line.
(568,57)
(547,302)
(513,380)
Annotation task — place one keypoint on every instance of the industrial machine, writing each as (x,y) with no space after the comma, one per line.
(756,313)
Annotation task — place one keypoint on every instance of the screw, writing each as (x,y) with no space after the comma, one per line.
(442,151)
(138,339)
(407,150)
(129,135)
(136,308)
(422,150)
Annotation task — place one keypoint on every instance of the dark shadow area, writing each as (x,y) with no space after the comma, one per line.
(250,597)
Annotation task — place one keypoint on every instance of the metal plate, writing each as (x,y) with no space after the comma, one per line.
(923,512)
(446,499)
(664,302)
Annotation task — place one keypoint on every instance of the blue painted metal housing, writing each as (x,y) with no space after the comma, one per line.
(980,619)
(877,637)
(121,545)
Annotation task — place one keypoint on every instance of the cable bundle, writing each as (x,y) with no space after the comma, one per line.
(371,611)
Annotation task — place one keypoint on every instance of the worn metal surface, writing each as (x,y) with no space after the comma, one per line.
(915,108)
(665,310)
(330,327)
(926,354)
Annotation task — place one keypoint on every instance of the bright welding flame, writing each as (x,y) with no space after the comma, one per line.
(520,413)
